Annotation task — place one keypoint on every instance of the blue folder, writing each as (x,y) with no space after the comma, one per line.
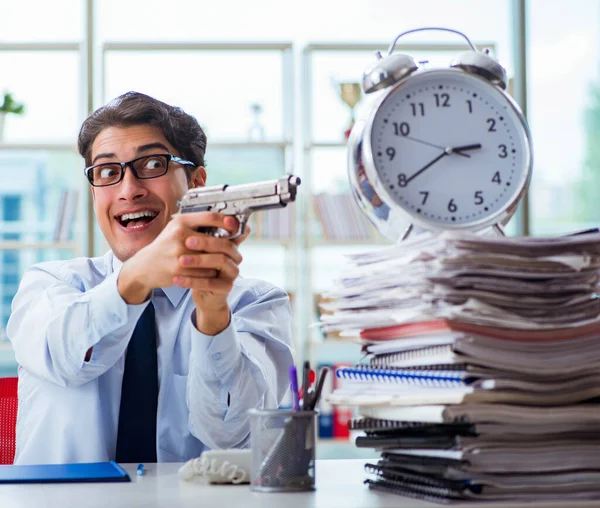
(64,473)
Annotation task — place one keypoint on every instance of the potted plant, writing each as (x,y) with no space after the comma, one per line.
(8,106)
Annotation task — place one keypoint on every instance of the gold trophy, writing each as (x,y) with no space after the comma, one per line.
(351,93)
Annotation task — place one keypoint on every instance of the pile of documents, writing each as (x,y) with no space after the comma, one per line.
(481,374)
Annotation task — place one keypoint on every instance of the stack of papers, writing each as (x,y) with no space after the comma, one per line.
(520,283)
(481,374)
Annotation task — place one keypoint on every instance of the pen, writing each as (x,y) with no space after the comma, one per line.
(305,383)
(294,386)
(311,380)
(320,382)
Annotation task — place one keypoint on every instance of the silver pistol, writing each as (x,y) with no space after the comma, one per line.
(239,200)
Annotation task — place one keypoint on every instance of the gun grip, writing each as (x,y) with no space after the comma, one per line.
(216,232)
(222,233)
(208,230)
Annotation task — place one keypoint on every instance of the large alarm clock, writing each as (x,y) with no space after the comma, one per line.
(440,148)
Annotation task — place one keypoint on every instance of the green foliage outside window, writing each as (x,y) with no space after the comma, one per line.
(588,187)
(9,105)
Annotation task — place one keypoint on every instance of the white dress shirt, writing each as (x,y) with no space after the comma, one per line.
(69,408)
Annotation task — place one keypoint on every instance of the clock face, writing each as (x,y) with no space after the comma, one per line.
(450,149)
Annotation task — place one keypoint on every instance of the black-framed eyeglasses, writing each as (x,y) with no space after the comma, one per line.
(144,168)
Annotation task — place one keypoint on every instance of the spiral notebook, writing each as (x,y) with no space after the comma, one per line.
(441,489)
(534,359)
(560,455)
(450,469)
(584,414)
(377,427)
(363,385)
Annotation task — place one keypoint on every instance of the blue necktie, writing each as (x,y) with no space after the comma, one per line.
(136,440)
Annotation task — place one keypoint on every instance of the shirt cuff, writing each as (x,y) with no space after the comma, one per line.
(216,353)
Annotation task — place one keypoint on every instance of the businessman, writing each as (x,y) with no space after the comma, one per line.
(156,350)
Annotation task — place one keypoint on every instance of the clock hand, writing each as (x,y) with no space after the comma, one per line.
(447,151)
(439,157)
(459,149)
(435,146)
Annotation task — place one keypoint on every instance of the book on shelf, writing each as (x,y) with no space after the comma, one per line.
(341,219)
(276,224)
(321,299)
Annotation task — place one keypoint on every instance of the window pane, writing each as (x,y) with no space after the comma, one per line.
(266,262)
(331,116)
(236,165)
(38,204)
(244,164)
(348,20)
(218,87)
(330,170)
(36,21)
(49,85)
(564,115)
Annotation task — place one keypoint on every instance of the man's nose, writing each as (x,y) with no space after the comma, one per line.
(130,187)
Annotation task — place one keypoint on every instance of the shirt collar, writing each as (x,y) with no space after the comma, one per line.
(174,293)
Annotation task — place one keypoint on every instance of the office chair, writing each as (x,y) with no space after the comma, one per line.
(8,419)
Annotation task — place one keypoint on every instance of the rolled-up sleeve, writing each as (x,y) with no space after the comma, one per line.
(245,366)
(55,321)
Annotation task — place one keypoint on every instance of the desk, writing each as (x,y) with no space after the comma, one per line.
(339,484)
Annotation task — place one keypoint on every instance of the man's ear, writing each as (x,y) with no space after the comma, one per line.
(198,177)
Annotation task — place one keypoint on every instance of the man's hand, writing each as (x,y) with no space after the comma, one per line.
(181,255)
(210,293)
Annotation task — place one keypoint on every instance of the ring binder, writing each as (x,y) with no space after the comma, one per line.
(441,378)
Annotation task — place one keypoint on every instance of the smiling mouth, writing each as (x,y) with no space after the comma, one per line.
(136,220)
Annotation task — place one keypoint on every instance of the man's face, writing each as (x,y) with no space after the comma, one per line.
(156,198)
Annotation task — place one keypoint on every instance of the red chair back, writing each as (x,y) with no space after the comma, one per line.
(8,419)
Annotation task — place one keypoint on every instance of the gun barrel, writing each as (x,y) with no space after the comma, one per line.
(284,187)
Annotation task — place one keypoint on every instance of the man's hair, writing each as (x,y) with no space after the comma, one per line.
(133,108)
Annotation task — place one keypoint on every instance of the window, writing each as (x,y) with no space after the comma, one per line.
(33,218)
(49,84)
(34,21)
(221,88)
(564,115)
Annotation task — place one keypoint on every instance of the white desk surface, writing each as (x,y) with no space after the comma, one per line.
(339,484)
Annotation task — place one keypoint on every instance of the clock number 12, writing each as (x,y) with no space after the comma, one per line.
(442,99)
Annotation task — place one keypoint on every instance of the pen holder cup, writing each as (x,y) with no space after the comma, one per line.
(283,450)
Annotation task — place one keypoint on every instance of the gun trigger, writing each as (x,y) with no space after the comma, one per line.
(242,219)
